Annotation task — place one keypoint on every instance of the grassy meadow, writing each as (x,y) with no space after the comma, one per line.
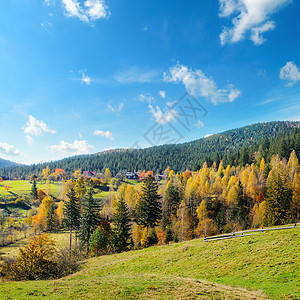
(22,188)
(263,266)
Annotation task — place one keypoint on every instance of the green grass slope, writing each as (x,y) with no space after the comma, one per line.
(22,188)
(262,266)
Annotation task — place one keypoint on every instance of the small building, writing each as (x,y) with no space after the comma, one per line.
(91,174)
(159,177)
(132,176)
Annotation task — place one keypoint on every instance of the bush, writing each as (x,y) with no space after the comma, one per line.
(153,239)
(64,264)
(99,241)
(38,260)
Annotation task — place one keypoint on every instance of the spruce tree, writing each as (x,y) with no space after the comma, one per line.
(98,241)
(172,201)
(148,208)
(169,235)
(121,231)
(278,199)
(50,220)
(153,239)
(34,190)
(89,220)
(71,214)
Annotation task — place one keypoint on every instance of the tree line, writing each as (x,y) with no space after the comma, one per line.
(234,147)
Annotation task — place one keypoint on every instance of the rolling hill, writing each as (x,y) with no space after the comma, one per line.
(236,146)
(6,163)
(263,266)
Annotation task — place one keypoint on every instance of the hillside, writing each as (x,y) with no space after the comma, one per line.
(6,163)
(235,147)
(264,266)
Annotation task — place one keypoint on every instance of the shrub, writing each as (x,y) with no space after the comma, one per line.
(39,260)
(98,241)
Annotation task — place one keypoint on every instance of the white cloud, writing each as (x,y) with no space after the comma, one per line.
(9,149)
(207,135)
(116,108)
(162,94)
(199,124)
(36,127)
(146,98)
(49,2)
(107,134)
(197,84)
(228,7)
(257,37)
(91,10)
(163,118)
(29,139)
(78,147)
(290,72)
(46,25)
(85,79)
(251,16)
(136,75)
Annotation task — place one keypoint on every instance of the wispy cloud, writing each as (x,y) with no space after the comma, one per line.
(106,134)
(115,108)
(162,94)
(91,10)
(248,16)
(77,147)
(9,149)
(46,25)
(36,127)
(290,72)
(49,2)
(198,84)
(170,115)
(136,75)
(199,124)
(147,97)
(85,79)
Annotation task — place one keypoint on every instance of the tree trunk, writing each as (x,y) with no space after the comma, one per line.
(70,241)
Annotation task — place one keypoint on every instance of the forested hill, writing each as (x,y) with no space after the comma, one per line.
(6,163)
(235,147)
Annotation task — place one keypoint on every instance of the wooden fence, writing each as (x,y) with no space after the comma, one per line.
(246,233)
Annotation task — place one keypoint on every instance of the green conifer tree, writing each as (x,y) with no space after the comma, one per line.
(169,235)
(34,190)
(71,214)
(89,220)
(121,230)
(50,217)
(148,208)
(278,199)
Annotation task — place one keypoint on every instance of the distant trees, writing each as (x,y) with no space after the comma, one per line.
(236,147)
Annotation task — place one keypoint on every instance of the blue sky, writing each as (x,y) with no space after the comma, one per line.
(83,76)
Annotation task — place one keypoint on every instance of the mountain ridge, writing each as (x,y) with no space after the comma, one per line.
(267,138)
